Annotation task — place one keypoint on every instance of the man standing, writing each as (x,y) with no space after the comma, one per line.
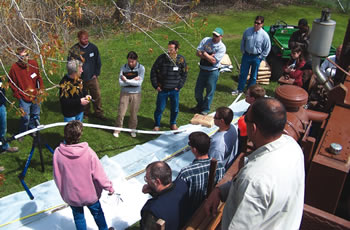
(255,46)
(26,84)
(3,123)
(88,53)
(168,76)
(72,95)
(196,175)
(168,198)
(130,79)
(223,144)
(268,192)
(301,37)
(210,51)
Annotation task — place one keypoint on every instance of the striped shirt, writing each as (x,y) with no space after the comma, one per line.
(196,176)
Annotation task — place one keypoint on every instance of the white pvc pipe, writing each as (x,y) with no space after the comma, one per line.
(42,127)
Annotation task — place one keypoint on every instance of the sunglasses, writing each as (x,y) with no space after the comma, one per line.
(216,35)
(258,23)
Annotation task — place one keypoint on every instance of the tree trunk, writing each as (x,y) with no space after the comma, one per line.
(122,14)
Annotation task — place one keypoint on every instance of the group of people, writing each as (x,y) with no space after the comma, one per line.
(259,197)
(299,64)
(80,177)
(168,75)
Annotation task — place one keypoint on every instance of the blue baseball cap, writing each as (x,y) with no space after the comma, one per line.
(218,31)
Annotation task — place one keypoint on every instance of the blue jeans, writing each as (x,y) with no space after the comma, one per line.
(162,100)
(78,117)
(206,80)
(32,112)
(247,62)
(96,212)
(3,126)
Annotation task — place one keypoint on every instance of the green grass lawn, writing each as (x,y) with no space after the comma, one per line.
(113,49)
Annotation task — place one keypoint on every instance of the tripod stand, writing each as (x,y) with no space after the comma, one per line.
(37,142)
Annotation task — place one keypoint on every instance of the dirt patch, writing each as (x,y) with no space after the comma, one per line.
(232,36)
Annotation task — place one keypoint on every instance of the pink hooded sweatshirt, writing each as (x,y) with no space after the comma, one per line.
(79,175)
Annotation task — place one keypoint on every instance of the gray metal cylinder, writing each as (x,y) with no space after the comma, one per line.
(321,37)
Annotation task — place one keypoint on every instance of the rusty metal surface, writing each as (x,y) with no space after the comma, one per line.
(337,131)
(328,172)
(291,95)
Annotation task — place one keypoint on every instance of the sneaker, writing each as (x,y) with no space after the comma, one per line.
(116,134)
(204,113)
(156,128)
(236,92)
(133,134)
(173,127)
(12,149)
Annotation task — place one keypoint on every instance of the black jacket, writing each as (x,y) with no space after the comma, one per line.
(91,59)
(70,98)
(167,75)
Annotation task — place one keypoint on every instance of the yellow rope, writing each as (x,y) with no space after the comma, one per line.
(33,214)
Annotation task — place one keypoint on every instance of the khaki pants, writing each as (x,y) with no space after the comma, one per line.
(93,88)
(134,99)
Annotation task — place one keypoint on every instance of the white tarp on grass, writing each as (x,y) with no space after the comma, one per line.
(19,212)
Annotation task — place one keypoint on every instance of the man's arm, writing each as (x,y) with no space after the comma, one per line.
(217,195)
(266,46)
(203,54)
(98,63)
(242,47)
(183,72)
(209,58)
(148,220)
(13,77)
(155,72)
(137,81)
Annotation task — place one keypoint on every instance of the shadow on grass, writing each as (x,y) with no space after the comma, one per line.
(53,105)
(224,88)
(13,125)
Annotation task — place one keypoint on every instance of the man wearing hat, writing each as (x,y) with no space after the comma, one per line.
(301,37)
(255,46)
(210,51)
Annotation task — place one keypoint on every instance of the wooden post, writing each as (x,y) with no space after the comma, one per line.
(212,173)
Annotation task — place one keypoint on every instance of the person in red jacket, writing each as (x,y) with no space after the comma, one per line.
(293,67)
(26,83)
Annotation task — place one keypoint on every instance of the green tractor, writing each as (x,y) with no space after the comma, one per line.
(280,53)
